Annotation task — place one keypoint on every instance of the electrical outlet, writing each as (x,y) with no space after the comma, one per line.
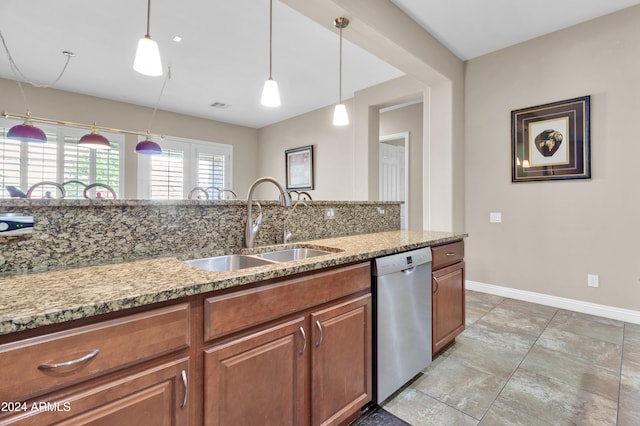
(593,280)
(495,217)
(381,211)
(329,213)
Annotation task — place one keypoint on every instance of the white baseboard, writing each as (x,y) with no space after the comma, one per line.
(626,315)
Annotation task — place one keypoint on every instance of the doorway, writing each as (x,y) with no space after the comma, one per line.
(394,172)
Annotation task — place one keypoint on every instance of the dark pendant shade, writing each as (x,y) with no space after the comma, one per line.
(26,133)
(148,147)
(94,140)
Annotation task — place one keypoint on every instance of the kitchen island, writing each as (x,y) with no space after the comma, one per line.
(153,335)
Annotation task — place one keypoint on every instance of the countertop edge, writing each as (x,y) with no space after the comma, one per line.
(197,282)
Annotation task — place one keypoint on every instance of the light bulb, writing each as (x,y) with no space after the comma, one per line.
(270,94)
(340,115)
(147,59)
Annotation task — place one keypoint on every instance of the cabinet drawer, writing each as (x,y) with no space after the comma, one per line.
(38,365)
(447,254)
(235,311)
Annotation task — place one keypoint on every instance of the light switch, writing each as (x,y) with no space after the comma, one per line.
(495,217)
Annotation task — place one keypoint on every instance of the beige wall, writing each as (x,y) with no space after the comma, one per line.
(555,233)
(333,152)
(67,106)
(409,119)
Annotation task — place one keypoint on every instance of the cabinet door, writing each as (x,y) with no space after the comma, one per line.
(155,396)
(341,361)
(258,378)
(448,305)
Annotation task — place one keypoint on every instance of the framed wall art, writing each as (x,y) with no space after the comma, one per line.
(551,141)
(299,168)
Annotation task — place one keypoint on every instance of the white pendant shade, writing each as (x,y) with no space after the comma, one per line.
(270,94)
(147,59)
(340,115)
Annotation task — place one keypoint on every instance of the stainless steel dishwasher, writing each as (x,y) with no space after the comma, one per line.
(402,320)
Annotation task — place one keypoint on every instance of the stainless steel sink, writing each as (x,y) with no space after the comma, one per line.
(230,262)
(287,255)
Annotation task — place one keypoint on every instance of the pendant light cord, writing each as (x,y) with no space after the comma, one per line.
(270,36)
(148,16)
(164,84)
(340,71)
(19,76)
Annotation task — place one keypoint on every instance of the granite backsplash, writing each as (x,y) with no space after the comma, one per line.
(75,233)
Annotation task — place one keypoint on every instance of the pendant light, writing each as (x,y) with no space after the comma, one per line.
(26,132)
(94,140)
(340,115)
(148,147)
(270,93)
(147,59)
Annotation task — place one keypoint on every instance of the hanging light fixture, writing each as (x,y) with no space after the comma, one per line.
(270,93)
(26,132)
(147,59)
(94,140)
(148,147)
(340,115)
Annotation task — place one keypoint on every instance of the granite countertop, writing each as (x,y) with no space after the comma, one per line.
(33,300)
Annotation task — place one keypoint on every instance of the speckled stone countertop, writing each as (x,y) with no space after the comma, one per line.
(29,301)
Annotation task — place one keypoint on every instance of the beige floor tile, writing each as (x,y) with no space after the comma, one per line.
(572,371)
(481,356)
(598,352)
(590,326)
(629,394)
(500,336)
(460,386)
(501,414)
(556,402)
(519,321)
(419,409)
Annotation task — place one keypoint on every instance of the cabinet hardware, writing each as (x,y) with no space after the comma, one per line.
(80,360)
(186,389)
(319,342)
(304,337)
(450,254)
(435,280)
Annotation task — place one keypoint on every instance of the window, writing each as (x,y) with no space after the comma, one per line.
(183,165)
(59,160)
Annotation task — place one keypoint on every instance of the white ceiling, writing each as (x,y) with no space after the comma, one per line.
(223,56)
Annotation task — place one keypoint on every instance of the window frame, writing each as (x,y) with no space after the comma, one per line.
(61,131)
(191,148)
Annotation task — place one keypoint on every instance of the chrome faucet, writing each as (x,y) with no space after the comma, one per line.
(286,234)
(47,194)
(230,191)
(252,227)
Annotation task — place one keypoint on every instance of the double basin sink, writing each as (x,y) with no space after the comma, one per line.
(234,262)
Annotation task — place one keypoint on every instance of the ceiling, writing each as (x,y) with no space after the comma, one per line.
(224,53)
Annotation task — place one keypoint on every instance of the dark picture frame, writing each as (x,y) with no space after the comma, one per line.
(551,141)
(299,168)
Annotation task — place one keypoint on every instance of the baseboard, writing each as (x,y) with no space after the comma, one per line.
(626,315)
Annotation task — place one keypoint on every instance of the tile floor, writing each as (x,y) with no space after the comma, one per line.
(519,363)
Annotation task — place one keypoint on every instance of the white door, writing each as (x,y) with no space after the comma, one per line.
(393,172)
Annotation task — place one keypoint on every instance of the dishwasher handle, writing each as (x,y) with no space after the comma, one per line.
(409,271)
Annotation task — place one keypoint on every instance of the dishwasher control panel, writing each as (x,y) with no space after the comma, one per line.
(13,224)
(401,261)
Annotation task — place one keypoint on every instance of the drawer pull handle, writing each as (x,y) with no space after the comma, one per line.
(319,342)
(186,389)
(435,280)
(450,253)
(80,360)
(304,337)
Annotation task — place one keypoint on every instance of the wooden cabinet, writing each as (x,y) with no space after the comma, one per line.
(448,299)
(341,361)
(311,365)
(111,372)
(154,396)
(259,378)
(292,351)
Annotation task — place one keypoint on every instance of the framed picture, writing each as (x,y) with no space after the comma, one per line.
(299,168)
(551,141)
